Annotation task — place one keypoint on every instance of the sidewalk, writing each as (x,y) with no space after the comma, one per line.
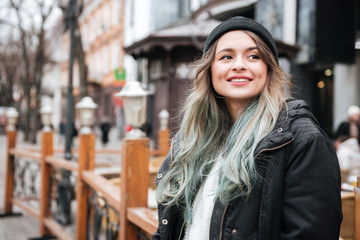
(26,226)
(19,227)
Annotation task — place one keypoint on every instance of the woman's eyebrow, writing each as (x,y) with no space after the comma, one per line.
(225,50)
(231,49)
(252,48)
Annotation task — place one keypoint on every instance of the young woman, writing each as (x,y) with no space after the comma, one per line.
(248,162)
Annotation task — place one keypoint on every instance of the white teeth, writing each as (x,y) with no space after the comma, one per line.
(239,80)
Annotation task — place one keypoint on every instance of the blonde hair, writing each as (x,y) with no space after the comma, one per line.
(206,130)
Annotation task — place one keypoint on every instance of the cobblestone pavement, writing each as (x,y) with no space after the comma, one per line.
(27,226)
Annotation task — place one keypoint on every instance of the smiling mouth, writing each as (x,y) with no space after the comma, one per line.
(239,80)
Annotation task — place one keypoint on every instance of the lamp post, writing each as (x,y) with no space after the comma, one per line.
(12,118)
(46,114)
(135,156)
(70,9)
(86,109)
(134,99)
(64,186)
(164,132)
(164,119)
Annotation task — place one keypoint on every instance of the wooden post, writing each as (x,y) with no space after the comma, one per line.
(86,162)
(9,180)
(357,210)
(47,149)
(164,141)
(134,185)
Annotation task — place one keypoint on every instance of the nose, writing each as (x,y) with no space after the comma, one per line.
(239,64)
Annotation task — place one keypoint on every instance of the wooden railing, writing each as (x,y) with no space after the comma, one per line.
(357,210)
(129,198)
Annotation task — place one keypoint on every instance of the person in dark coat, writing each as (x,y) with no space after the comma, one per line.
(105,129)
(349,128)
(249,162)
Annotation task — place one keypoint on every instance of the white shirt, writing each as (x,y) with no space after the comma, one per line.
(203,206)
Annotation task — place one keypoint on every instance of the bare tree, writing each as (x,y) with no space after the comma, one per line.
(79,52)
(83,68)
(9,69)
(33,45)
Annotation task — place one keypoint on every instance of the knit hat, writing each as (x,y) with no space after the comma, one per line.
(241,23)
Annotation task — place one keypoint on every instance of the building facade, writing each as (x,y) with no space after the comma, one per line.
(157,41)
(316,42)
(101,24)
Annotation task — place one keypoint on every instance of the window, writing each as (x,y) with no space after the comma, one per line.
(107,16)
(106,59)
(115,54)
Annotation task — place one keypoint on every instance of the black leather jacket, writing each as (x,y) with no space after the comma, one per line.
(299,196)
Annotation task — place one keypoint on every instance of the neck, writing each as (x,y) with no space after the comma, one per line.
(235,109)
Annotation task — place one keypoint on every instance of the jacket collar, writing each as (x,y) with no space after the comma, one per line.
(281,133)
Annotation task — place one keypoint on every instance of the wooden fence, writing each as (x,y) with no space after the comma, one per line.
(123,206)
(122,203)
(357,210)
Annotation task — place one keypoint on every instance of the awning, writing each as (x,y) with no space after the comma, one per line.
(190,34)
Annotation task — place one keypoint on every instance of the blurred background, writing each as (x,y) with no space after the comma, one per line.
(156,42)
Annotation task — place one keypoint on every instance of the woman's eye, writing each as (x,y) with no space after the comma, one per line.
(226,57)
(254,56)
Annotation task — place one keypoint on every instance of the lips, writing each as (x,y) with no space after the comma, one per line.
(239,79)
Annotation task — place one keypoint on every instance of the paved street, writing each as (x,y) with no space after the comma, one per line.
(27,226)
(20,227)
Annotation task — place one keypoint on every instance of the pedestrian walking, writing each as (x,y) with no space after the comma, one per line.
(61,131)
(248,161)
(105,129)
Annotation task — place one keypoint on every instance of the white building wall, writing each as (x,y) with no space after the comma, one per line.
(137,27)
(289,28)
(346,88)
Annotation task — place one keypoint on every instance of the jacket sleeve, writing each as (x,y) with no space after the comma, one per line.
(312,188)
(162,171)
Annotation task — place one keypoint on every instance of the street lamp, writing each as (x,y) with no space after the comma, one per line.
(134,99)
(70,9)
(164,119)
(64,186)
(86,109)
(12,117)
(46,114)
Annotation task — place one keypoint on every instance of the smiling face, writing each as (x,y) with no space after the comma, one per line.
(238,73)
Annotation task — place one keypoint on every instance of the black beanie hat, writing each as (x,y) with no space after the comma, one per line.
(241,23)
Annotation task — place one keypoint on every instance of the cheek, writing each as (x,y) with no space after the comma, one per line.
(212,71)
(263,73)
(213,75)
(217,72)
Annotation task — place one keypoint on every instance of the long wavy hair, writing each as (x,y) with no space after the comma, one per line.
(207,130)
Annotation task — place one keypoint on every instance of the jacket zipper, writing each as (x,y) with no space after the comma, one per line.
(274,148)
(222,221)
(264,150)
